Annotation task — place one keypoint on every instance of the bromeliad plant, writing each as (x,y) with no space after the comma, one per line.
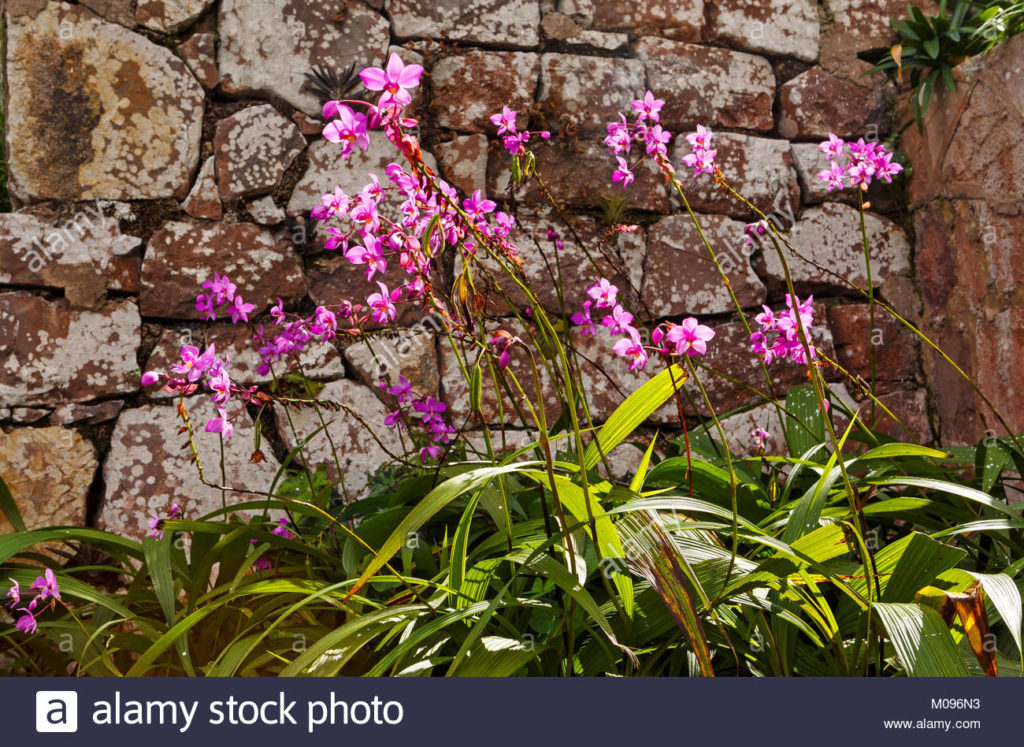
(843,553)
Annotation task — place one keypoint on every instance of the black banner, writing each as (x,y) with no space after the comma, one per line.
(521,711)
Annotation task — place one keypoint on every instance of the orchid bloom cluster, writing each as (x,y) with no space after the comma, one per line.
(34,598)
(760,438)
(687,338)
(513,140)
(156,524)
(859,162)
(784,326)
(362,229)
(701,157)
(221,291)
(426,410)
(281,530)
(644,129)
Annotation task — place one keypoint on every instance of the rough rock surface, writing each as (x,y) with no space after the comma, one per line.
(580,174)
(816,103)
(48,471)
(204,199)
(507,22)
(463,162)
(200,54)
(577,263)
(713,87)
(51,353)
(589,91)
(181,257)
(169,16)
(681,278)
(830,236)
(120,116)
(893,344)
(760,169)
(778,27)
(676,19)
(470,87)
(360,454)
(410,352)
(268,45)
(253,148)
(147,470)
(84,255)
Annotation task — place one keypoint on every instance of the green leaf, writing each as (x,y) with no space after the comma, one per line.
(803,403)
(9,508)
(922,640)
(494,656)
(907,565)
(951,488)
(808,510)
(433,502)
(11,544)
(637,407)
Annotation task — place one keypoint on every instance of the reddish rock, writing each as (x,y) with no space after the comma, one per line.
(101,412)
(51,353)
(561,27)
(204,199)
(122,116)
(894,345)
(181,257)
(675,19)
(200,54)
(864,24)
(758,168)
(359,444)
(816,103)
(468,88)
(169,16)
(84,254)
(510,23)
(118,11)
(49,472)
(789,28)
(969,267)
(830,237)
(265,211)
(971,147)
(579,174)
(463,162)
(147,470)
(307,125)
(267,46)
(910,406)
(681,278)
(709,86)
(253,149)
(410,352)
(589,92)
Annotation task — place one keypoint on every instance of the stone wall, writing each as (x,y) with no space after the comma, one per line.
(967,194)
(153,143)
